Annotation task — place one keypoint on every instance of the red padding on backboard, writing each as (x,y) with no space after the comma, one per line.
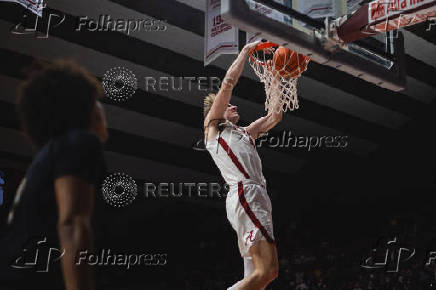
(386,15)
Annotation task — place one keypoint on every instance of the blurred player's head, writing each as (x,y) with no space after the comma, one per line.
(231,113)
(59,97)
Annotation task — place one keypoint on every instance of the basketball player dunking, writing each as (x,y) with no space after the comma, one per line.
(248,206)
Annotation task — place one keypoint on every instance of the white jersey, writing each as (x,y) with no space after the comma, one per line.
(248,205)
(235,155)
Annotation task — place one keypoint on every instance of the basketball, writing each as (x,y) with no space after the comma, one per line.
(288,63)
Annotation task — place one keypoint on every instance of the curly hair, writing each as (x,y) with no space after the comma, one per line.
(55,98)
(207,104)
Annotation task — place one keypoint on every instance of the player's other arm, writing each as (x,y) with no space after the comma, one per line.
(75,199)
(264,124)
(222,100)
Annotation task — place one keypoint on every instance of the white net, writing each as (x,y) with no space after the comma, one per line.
(280,83)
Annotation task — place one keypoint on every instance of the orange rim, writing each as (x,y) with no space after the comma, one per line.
(261,46)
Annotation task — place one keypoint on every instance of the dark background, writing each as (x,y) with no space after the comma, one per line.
(331,206)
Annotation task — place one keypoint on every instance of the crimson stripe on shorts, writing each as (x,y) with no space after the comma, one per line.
(232,156)
(250,213)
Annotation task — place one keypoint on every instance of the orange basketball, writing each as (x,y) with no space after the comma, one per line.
(288,63)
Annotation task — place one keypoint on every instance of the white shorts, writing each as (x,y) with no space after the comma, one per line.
(249,212)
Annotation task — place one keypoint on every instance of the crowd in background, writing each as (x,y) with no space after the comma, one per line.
(307,261)
(319,247)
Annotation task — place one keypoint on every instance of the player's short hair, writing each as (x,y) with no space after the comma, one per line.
(207,104)
(55,98)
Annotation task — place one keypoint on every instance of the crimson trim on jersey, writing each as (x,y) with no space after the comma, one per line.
(251,214)
(249,137)
(232,156)
(251,141)
(242,199)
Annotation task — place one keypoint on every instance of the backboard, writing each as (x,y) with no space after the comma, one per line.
(303,26)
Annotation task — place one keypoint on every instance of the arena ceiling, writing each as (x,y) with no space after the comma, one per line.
(152,134)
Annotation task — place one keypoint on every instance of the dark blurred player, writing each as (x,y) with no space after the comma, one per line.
(51,217)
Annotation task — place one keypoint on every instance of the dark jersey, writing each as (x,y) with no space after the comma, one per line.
(32,233)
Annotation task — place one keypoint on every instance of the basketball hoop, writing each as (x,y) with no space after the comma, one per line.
(278,68)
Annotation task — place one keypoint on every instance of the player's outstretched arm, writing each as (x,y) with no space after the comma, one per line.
(264,124)
(222,99)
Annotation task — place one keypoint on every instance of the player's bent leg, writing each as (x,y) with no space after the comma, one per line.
(248,266)
(266,266)
(248,269)
(235,286)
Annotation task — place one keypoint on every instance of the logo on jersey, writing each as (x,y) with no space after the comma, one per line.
(249,237)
